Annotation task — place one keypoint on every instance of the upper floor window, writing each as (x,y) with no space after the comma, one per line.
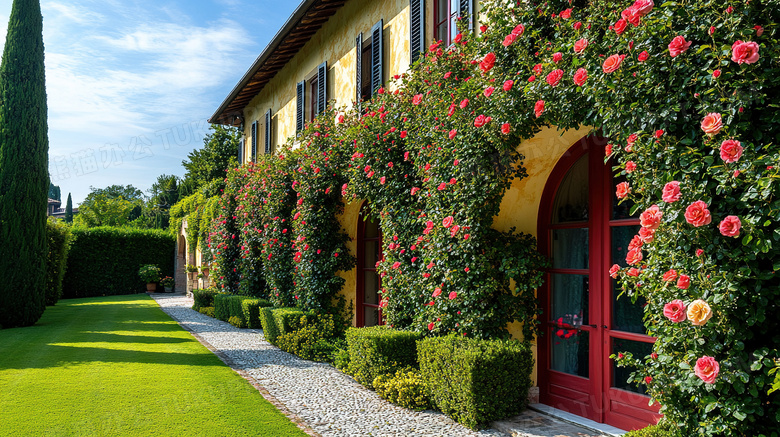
(446,13)
(369,62)
(313,90)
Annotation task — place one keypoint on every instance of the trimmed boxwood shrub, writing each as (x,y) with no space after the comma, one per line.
(209,311)
(105,260)
(276,321)
(379,350)
(406,389)
(311,336)
(203,298)
(476,381)
(60,237)
(230,305)
(251,310)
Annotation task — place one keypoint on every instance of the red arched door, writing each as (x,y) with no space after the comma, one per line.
(369,252)
(584,231)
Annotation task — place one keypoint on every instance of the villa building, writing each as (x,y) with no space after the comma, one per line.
(341,51)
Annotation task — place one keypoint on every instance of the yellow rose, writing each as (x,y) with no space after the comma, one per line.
(699,312)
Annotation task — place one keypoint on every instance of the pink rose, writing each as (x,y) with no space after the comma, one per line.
(744,52)
(436,292)
(508,85)
(612,63)
(631,16)
(554,78)
(643,56)
(633,272)
(537,69)
(646,234)
(454,230)
(580,77)
(613,271)
(675,311)
(707,369)
(539,108)
(580,45)
(557,57)
(506,128)
(683,282)
(489,91)
(730,226)
(730,151)
(651,217)
(670,275)
(479,121)
(643,7)
(453,133)
(622,190)
(417,99)
(634,256)
(447,222)
(678,46)
(518,30)
(630,166)
(620,26)
(464,103)
(712,123)
(453,295)
(671,192)
(697,214)
(509,39)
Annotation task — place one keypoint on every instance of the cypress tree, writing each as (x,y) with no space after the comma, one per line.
(69,210)
(24,176)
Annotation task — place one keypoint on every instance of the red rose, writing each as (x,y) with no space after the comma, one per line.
(580,45)
(509,39)
(518,30)
(620,26)
(417,99)
(489,91)
(537,69)
(633,272)
(612,63)
(454,230)
(580,77)
(505,128)
(697,214)
(712,123)
(730,226)
(508,85)
(651,217)
(464,103)
(554,78)
(453,133)
(487,62)
(565,14)
(716,74)
(643,56)
(683,282)
(622,190)
(539,108)
(431,326)
(436,292)
(648,379)
(447,221)
(744,52)
(671,192)
(730,151)
(643,7)
(577,25)
(632,139)
(382,180)
(613,271)
(711,31)
(453,295)
(479,121)
(678,46)
(759,30)
(699,252)
(608,149)
(557,57)
(631,16)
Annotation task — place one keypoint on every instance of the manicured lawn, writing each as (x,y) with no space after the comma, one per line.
(120,366)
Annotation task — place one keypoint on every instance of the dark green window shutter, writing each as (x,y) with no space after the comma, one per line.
(417,28)
(359,68)
(254,141)
(377,43)
(300,103)
(322,87)
(268,132)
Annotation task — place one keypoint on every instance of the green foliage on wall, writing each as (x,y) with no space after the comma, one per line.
(105,260)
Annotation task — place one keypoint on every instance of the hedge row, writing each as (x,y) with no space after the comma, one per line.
(239,311)
(278,321)
(59,236)
(203,298)
(105,260)
(378,351)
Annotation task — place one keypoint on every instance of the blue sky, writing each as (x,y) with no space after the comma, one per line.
(131,83)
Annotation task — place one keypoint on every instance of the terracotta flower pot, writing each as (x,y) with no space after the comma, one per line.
(151,287)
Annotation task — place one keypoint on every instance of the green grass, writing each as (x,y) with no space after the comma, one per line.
(120,366)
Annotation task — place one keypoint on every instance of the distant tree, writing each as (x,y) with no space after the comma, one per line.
(54,192)
(69,210)
(102,210)
(165,192)
(220,152)
(126,192)
(24,176)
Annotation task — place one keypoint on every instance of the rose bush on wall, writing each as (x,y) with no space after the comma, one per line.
(685,91)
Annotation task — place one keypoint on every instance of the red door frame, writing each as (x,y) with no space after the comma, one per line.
(593,397)
(360,294)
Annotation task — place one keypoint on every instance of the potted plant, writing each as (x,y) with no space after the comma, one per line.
(168,283)
(150,274)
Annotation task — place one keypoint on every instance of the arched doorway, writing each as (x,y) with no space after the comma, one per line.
(369,252)
(583,230)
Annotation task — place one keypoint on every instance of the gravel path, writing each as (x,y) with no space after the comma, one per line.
(328,401)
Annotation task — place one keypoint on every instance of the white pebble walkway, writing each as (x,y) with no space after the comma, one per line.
(328,401)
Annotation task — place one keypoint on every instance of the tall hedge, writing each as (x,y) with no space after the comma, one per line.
(24,176)
(105,260)
(60,237)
